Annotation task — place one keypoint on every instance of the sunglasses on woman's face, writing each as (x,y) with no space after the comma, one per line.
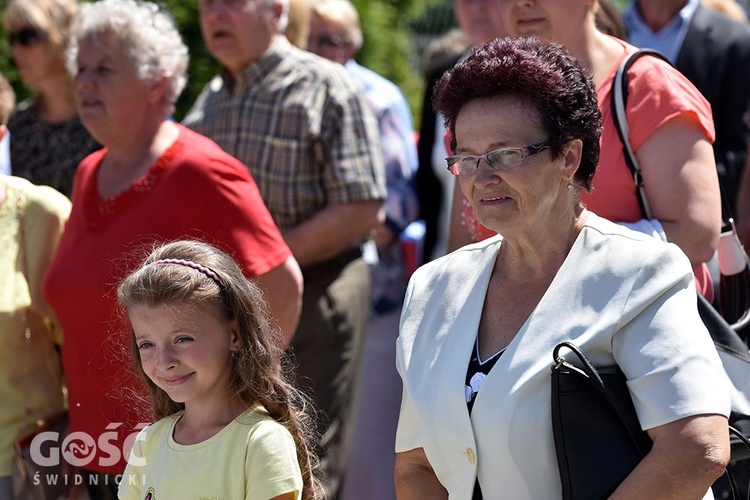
(26,37)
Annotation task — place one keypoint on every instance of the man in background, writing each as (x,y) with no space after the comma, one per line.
(306,132)
(713,52)
(335,34)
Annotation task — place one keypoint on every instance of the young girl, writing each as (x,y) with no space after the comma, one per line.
(229,425)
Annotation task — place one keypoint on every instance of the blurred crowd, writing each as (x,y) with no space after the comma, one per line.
(306,168)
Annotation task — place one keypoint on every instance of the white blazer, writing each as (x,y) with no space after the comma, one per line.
(621,296)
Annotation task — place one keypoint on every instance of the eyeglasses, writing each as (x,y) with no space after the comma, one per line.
(26,37)
(499,159)
(326,41)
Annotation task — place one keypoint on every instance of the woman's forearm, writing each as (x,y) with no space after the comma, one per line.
(415,479)
(686,459)
(651,479)
(418,486)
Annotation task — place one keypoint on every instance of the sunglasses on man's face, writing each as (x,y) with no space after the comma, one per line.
(326,41)
(26,37)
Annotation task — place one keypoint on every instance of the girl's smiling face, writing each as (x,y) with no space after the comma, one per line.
(186,351)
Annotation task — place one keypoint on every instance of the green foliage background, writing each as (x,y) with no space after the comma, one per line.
(395,33)
(387,48)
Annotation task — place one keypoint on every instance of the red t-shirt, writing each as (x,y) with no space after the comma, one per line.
(195,190)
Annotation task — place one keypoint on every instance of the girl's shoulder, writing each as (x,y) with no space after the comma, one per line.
(250,425)
(255,422)
(255,415)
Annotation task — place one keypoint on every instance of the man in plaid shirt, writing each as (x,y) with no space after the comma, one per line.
(306,132)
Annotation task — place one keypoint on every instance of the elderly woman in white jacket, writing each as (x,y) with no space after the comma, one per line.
(480,324)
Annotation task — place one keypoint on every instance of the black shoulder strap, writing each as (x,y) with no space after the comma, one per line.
(619,106)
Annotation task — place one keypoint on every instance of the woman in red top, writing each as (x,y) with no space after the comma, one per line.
(154,181)
(671,134)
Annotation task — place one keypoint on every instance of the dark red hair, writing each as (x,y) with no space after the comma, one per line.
(543,75)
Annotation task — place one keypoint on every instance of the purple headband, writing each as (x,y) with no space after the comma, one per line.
(189,263)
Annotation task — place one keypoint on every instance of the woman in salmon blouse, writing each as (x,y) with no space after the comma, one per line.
(671,131)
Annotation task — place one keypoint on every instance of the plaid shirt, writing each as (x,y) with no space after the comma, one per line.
(302,126)
(389,276)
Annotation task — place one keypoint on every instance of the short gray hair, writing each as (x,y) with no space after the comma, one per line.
(343,14)
(147,31)
(284,18)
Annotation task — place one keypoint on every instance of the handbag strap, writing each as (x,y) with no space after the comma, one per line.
(619,107)
(590,372)
(619,116)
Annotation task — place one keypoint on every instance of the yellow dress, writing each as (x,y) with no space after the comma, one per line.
(31,222)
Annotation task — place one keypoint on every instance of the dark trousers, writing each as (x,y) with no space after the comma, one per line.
(327,350)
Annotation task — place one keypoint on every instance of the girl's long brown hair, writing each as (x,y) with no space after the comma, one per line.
(255,376)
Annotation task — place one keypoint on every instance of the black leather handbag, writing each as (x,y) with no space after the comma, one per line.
(598,439)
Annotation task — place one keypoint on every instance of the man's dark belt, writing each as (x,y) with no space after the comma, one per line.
(330,267)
